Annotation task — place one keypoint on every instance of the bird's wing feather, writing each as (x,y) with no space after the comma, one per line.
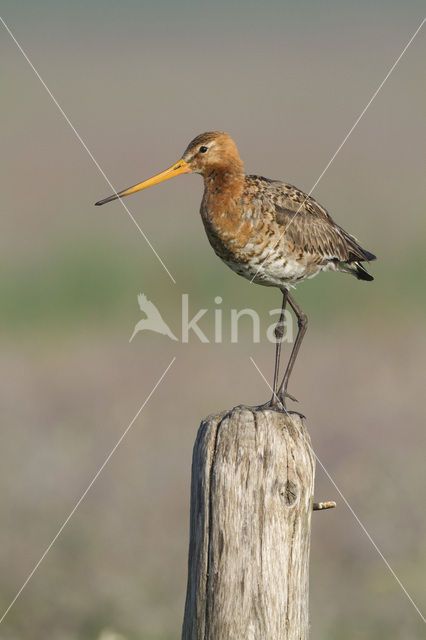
(309,226)
(148,307)
(142,300)
(318,236)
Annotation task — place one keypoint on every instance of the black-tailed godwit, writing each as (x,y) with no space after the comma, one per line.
(265,230)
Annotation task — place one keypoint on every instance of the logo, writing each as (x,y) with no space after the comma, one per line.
(153,320)
(213,325)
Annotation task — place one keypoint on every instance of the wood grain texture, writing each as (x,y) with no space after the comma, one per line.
(251,504)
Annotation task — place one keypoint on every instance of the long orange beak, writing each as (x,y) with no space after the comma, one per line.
(175,170)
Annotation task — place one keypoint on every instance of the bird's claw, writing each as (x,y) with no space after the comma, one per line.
(283,396)
(277,402)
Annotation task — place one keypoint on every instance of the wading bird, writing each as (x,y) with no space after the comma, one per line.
(266,230)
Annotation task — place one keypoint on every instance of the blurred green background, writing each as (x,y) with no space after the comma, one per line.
(139,80)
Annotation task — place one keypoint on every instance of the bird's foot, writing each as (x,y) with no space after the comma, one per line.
(283,395)
(272,406)
(277,406)
(282,400)
(278,402)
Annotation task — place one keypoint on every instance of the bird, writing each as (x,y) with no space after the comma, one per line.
(153,320)
(267,231)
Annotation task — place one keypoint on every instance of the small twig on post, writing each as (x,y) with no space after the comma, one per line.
(319,506)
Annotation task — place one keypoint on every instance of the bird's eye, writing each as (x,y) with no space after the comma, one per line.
(203,149)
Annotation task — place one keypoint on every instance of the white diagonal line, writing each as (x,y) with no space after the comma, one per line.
(274,395)
(371,539)
(353,512)
(273,392)
(265,260)
(84,494)
(96,163)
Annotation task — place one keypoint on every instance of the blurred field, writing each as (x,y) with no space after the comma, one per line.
(138,81)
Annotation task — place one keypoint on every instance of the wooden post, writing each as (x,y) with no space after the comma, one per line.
(251,503)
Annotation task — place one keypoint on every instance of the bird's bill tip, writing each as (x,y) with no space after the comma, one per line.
(105,200)
(175,170)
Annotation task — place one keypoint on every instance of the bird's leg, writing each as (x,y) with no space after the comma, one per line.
(279,332)
(302,325)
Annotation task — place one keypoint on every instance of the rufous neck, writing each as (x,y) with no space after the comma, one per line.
(226,177)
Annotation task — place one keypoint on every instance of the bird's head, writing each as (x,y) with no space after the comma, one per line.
(212,151)
(209,152)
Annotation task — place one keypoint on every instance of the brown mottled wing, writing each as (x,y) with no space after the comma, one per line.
(308,226)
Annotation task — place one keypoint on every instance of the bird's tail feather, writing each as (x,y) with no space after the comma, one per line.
(369,256)
(362,273)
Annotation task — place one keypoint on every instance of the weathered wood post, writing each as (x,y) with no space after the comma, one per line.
(251,503)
